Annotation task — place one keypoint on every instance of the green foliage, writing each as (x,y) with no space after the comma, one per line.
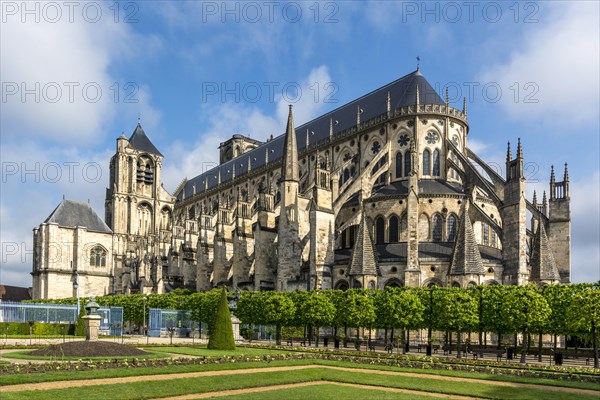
(80,325)
(278,309)
(398,308)
(360,309)
(221,334)
(459,310)
(317,309)
(524,309)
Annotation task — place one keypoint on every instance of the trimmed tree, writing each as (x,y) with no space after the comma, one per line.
(278,310)
(584,315)
(316,311)
(458,312)
(221,334)
(525,310)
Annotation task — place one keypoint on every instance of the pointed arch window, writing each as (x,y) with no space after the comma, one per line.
(486,234)
(406,163)
(352,236)
(426,162)
(393,229)
(436,233)
(398,165)
(451,228)
(98,257)
(379,231)
(436,162)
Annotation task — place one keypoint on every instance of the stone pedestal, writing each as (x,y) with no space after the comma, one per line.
(235,325)
(92,326)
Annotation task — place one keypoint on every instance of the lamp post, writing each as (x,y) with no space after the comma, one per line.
(76,288)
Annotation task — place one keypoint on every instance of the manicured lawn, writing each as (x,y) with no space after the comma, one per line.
(326,392)
(154,389)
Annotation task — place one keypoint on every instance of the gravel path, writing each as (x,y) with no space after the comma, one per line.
(169,377)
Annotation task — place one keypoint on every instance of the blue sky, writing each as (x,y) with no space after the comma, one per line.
(75,76)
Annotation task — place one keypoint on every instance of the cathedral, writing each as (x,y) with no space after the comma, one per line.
(382,191)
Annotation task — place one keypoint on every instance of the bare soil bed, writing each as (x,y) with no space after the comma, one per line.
(89,349)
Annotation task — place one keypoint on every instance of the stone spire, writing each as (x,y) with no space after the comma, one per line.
(519,149)
(465,106)
(545,204)
(566,181)
(417,97)
(552,182)
(543,267)
(508,153)
(466,258)
(364,258)
(447,98)
(534,199)
(389,102)
(289,167)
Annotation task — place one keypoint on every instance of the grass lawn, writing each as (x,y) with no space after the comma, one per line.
(155,389)
(326,391)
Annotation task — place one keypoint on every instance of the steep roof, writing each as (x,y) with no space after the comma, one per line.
(364,257)
(140,141)
(402,92)
(466,258)
(543,267)
(71,214)
(289,167)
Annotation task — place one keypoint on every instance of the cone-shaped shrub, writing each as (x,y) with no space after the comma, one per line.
(221,334)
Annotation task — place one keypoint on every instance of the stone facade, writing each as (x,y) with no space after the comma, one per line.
(386,180)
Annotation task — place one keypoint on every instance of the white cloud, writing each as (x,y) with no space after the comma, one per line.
(236,118)
(585,228)
(559,59)
(66,66)
(34,178)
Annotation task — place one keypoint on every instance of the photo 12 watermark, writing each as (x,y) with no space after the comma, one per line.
(54,12)
(253,12)
(254,92)
(51,172)
(526,12)
(72,92)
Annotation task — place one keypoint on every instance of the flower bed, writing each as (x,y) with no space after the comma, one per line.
(570,374)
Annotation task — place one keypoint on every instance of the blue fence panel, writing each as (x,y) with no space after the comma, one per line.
(110,318)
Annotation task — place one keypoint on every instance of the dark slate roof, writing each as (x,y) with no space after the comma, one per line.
(542,262)
(426,187)
(466,258)
(398,252)
(71,214)
(140,141)
(14,293)
(402,93)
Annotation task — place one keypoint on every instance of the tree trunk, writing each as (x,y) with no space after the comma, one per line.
(385,336)
(459,352)
(317,337)
(407,345)
(540,347)
(310,334)
(392,336)
(278,334)
(555,342)
(525,345)
(528,342)
(595,344)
